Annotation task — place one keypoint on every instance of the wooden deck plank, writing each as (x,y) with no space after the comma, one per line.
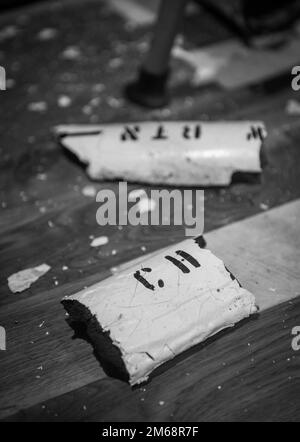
(248,374)
(272,259)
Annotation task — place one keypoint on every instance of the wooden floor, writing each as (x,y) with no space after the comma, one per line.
(249,373)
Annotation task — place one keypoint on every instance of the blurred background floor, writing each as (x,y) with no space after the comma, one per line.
(67,62)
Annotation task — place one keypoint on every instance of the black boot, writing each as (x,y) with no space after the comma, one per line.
(149,90)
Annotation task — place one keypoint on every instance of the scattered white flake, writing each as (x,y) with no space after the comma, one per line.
(293,108)
(43,407)
(64,101)
(143,249)
(39,106)
(47,34)
(161,403)
(264,206)
(114,252)
(114,270)
(89,191)
(220,387)
(42,324)
(146,205)
(42,176)
(71,53)
(41,368)
(99,242)
(43,210)
(50,224)
(99,88)
(87,110)
(56,283)
(142,399)
(47,333)
(65,268)
(8,32)
(272,290)
(95,102)
(38,377)
(3,205)
(84,407)
(21,281)
(115,63)
(10,83)
(115,103)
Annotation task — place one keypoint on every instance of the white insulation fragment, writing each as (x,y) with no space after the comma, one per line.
(175,300)
(99,242)
(172,153)
(21,281)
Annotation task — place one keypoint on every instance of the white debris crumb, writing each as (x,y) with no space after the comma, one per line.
(56,283)
(47,333)
(41,368)
(142,399)
(264,206)
(272,290)
(42,324)
(143,249)
(114,252)
(65,268)
(161,403)
(71,53)
(21,281)
(99,242)
(115,103)
(98,88)
(3,205)
(64,101)
(39,106)
(84,407)
(10,83)
(50,224)
(87,110)
(114,270)
(219,387)
(8,32)
(146,205)
(43,407)
(42,176)
(95,102)
(47,34)
(115,63)
(293,108)
(43,210)
(89,191)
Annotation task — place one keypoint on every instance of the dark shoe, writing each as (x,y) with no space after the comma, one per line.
(269,16)
(149,90)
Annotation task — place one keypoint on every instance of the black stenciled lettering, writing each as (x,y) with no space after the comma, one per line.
(160,135)
(178,264)
(256,132)
(190,133)
(143,281)
(188,258)
(130,133)
(161,284)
